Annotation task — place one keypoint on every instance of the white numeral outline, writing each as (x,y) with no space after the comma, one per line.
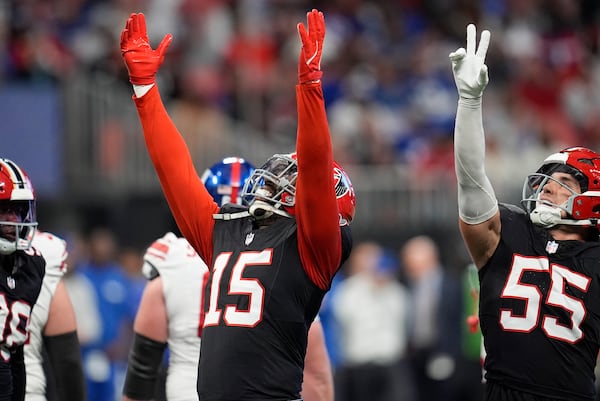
(514,288)
(238,285)
(13,317)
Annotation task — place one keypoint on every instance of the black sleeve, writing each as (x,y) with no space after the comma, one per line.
(17,367)
(347,242)
(143,366)
(64,357)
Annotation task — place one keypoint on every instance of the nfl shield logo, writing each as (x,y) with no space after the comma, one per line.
(249,239)
(11,282)
(551,247)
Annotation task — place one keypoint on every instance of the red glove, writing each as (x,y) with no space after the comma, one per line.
(309,65)
(142,62)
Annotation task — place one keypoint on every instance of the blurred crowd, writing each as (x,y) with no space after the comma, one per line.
(388,84)
(391,101)
(396,322)
(105,283)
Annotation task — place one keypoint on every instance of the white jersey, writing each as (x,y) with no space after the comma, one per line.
(182,272)
(54,251)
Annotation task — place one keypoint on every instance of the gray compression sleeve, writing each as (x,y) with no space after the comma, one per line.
(476,199)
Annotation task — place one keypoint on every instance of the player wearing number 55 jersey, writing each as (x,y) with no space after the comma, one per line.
(21,274)
(270,263)
(539,267)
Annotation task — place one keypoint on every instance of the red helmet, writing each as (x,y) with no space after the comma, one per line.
(16,195)
(279,173)
(344,192)
(581,208)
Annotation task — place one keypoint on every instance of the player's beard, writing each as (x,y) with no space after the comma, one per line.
(8,232)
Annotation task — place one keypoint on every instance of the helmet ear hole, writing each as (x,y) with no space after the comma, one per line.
(287,198)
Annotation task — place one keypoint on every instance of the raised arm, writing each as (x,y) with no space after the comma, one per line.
(191,205)
(477,205)
(316,206)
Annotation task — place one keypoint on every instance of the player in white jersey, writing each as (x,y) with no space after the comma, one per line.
(168,315)
(170,311)
(53,332)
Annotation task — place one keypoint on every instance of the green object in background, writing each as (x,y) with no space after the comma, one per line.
(471,341)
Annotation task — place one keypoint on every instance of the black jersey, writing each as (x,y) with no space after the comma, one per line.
(259,304)
(540,311)
(20,285)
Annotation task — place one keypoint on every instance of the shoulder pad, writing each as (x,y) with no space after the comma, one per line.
(168,252)
(54,251)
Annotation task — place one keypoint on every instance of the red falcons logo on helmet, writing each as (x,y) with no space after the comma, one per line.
(340,188)
(344,193)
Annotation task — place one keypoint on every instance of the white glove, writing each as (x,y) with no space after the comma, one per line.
(468,66)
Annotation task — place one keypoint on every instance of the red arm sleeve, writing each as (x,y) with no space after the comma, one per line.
(319,238)
(189,201)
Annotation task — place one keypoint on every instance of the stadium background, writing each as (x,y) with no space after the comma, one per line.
(228,81)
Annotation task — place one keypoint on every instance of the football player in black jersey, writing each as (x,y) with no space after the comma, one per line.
(175,278)
(270,263)
(21,274)
(539,265)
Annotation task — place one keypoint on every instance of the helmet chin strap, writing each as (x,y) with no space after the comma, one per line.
(7,247)
(262,210)
(547,216)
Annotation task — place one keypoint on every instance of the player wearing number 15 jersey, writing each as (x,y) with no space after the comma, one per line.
(270,263)
(539,267)
(169,313)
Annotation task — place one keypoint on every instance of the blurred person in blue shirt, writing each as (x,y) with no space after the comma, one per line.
(106,355)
